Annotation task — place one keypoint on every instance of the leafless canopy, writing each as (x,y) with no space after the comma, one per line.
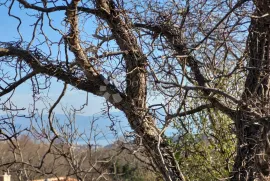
(156,61)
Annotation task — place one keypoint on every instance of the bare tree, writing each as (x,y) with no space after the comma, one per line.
(189,55)
(36,152)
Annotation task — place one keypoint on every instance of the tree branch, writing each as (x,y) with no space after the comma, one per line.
(14,85)
(56,8)
(88,85)
(192,111)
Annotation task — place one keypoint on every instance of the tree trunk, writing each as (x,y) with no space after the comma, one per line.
(135,106)
(156,146)
(252,120)
(253,149)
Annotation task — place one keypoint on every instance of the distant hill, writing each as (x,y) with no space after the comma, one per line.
(108,131)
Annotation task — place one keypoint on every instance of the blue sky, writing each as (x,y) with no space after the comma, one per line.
(73,97)
(23,94)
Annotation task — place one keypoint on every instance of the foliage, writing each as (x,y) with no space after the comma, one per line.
(202,65)
(57,163)
(127,171)
(207,152)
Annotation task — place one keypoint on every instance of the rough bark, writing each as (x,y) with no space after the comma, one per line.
(253,148)
(252,121)
(156,146)
(136,91)
(133,102)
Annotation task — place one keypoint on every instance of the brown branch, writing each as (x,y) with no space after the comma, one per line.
(50,118)
(136,63)
(237,5)
(56,8)
(212,99)
(192,111)
(126,40)
(217,91)
(14,85)
(73,41)
(92,86)
(173,37)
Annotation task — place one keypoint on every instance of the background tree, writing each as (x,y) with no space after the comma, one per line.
(35,153)
(207,151)
(168,60)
